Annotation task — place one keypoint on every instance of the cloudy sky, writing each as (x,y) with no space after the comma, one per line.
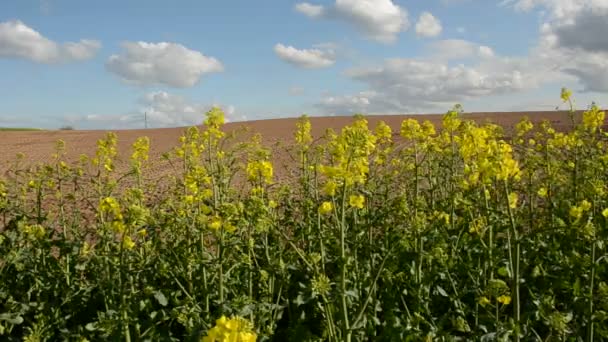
(103,64)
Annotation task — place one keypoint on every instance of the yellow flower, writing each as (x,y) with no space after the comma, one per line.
(585,205)
(513,200)
(504,299)
(260,170)
(326,208)
(272,204)
(34,232)
(477,226)
(593,118)
(85,249)
(216,223)
(302,134)
(605,213)
(127,243)
(383,131)
(142,232)
(483,301)
(330,188)
(566,94)
(542,192)
(576,212)
(235,329)
(356,201)
(443,216)
(523,126)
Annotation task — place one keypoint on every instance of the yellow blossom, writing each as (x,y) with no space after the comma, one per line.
(593,118)
(513,197)
(330,188)
(483,301)
(235,329)
(128,243)
(325,208)
(260,171)
(566,94)
(216,223)
(356,201)
(504,299)
(303,128)
(542,192)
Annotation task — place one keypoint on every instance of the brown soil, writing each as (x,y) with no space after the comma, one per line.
(39,146)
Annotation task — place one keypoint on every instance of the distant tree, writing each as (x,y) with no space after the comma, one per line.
(66,128)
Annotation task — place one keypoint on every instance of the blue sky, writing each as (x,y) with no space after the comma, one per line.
(103,64)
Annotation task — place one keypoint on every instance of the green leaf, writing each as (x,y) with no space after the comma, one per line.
(442,291)
(160,297)
(503,272)
(12,319)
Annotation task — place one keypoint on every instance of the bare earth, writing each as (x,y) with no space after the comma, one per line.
(39,146)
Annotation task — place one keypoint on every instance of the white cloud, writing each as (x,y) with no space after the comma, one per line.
(428,25)
(18,40)
(379,20)
(162,110)
(161,64)
(433,82)
(313,11)
(485,52)
(305,58)
(573,38)
(455,49)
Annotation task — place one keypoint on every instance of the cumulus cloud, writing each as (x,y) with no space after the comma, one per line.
(17,40)
(161,108)
(313,11)
(162,63)
(379,20)
(428,26)
(455,49)
(573,37)
(433,82)
(305,58)
(164,110)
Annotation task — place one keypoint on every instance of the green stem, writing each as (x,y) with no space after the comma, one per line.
(345,323)
(590,332)
(514,247)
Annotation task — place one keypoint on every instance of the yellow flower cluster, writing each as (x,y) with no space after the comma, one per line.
(356,201)
(302,134)
(196,181)
(260,171)
(326,208)
(110,208)
(577,211)
(106,152)
(593,118)
(33,232)
(412,129)
(141,147)
(3,192)
(485,156)
(214,122)
(235,329)
(350,152)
